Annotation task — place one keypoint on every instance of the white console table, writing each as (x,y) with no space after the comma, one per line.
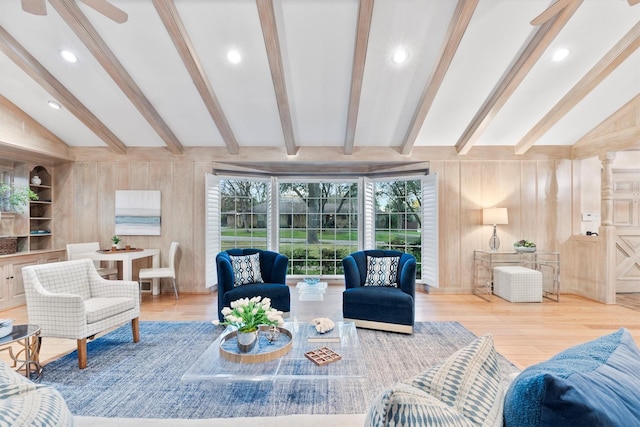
(548,263)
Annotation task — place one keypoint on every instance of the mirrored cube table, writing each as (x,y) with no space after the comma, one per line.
(315,292)
(212,366)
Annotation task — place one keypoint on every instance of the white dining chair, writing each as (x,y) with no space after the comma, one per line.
(147,274)
(76,251)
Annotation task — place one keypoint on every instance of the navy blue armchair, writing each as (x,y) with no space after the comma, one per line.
(273,271)
(388,308)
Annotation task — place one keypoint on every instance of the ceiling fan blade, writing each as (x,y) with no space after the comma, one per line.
(550,12)
(108,10)
(37,7)
(633,2)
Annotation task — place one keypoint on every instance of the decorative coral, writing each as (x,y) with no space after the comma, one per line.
(323,325)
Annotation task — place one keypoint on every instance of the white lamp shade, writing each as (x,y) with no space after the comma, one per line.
(495,216)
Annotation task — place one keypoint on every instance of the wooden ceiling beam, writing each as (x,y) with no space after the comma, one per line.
(550,12)
(20,131)
(618,132)
(31,122)
(457,27)
(538,43)
(274,54)
(86,32)
(178,33)
(37,7)
(628,44)
(365,13)
(30,65)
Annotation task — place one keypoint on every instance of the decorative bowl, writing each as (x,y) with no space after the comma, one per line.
(525,249)
(311,280)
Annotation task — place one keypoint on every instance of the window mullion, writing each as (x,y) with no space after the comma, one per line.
(273,215)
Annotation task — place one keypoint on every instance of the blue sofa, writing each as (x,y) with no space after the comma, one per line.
(592,384)
(273,269)
(596,383)
(388,308)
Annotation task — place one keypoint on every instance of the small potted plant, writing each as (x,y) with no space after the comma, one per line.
(15,198)
(115,240)
(524,246)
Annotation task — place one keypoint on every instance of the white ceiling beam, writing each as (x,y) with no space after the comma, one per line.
(178,33)
(272,44)
(365,13)
(34,69)
(538,43)
(86,32)
(457,27)
(628,44)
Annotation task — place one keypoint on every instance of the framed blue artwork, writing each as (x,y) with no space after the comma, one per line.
(138,213)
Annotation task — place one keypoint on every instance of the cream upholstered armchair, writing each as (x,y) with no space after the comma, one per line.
(70,300)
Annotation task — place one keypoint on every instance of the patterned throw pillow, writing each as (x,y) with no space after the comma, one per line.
(382,271)
(464,390)
(246,269)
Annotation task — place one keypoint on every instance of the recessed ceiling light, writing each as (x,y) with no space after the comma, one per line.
(234,56)
(400,56)
(560,54)
(55,105)
(69,56)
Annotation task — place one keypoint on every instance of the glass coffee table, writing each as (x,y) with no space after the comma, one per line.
(212,366)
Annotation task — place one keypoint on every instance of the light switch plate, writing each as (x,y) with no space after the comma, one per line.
(589,217)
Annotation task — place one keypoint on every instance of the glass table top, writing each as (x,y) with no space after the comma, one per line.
(212,366)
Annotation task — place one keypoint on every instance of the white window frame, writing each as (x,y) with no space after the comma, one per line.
(288,180)
(213,232)
(429,212)
(366,219)
(212,229)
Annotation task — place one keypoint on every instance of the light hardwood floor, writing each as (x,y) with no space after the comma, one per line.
(525,333)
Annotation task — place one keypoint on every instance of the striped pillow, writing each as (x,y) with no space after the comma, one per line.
(246,269)
(464,390)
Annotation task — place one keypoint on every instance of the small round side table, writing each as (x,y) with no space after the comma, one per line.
(27,358)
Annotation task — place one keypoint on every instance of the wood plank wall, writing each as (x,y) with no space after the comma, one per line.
(86,205)
(538,194)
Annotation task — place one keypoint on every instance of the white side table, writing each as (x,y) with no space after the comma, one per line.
(308,292)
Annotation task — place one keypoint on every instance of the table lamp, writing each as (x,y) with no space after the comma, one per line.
(495,216)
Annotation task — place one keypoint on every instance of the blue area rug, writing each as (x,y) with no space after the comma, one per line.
(142,380)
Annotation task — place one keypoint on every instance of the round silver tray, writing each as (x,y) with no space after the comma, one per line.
(263,354)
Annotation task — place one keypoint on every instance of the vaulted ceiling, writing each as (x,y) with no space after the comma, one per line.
(319,74)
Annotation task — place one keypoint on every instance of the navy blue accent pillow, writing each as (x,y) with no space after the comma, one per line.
(593,384)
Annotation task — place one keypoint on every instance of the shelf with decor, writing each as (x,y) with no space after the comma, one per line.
(41,210)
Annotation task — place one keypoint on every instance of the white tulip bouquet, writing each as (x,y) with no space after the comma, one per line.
(247,315)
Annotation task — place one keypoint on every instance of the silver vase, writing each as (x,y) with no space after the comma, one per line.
(246,341)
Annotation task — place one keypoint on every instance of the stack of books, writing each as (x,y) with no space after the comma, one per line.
(329,336)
